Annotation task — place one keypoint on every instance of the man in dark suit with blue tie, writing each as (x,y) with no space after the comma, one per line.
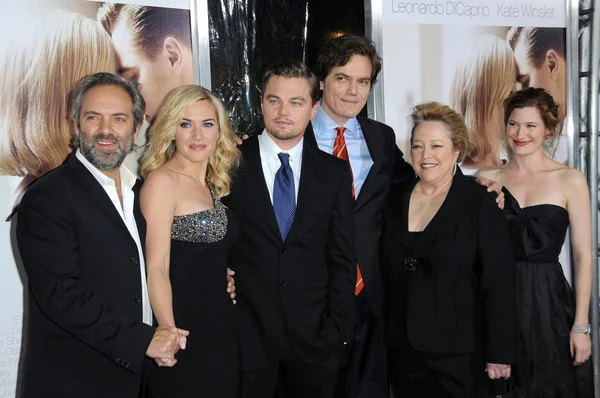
(295,263)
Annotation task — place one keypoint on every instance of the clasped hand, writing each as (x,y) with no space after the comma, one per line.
(498,370)
(167,340)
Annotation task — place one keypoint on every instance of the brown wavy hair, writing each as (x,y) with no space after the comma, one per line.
(539,99)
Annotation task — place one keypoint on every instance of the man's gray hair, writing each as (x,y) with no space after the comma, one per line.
(108,79)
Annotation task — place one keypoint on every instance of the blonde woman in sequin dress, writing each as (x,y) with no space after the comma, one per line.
(187,166)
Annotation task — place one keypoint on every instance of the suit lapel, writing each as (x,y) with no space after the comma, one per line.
(98,196)
(375,143)
(253,179)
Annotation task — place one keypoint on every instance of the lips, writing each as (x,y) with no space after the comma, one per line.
(427,166)
(198,147)
(520,143)
(283,122)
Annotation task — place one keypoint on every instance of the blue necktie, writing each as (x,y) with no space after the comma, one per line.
(284,197)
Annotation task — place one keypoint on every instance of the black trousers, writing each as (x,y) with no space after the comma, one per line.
(415,374)
(363,365)
(288,376)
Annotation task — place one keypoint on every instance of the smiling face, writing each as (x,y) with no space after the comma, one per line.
(346,89)
(433,153)
(197,134)
(525,131)
(106,129)
(287,108)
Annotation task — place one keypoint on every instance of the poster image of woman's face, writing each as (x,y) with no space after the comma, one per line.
(39,70)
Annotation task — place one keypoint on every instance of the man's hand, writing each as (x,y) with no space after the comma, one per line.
(492,186)
(231,285)
(167,340)
(496,371)
(239,140)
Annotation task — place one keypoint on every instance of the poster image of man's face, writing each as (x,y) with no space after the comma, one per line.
(170,67)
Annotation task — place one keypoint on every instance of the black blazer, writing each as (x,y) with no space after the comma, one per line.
(305,284)
(463,291)
(85,332)
(388,166)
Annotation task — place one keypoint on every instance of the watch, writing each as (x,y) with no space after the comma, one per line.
(581,329)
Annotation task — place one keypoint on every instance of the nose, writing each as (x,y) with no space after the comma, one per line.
(105,125)
(284,109)
(352,88)
(426,152)
(197,133)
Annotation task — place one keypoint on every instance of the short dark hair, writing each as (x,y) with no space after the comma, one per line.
(149,26)
(107,79)
(537,42)
(293,69)
(537,98)
(338,51)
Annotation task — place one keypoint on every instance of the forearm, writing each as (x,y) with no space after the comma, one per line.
(583,289)
(161,297)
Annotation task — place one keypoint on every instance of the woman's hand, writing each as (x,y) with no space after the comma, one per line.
(581,347)
(497,370)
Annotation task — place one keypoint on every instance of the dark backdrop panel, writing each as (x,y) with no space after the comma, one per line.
(248,35)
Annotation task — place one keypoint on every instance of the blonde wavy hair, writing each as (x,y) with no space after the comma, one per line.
(161,137)
(39,70)
(480,84)
(437,112)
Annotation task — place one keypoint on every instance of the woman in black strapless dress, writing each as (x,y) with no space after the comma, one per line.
(553,331)
(187,167)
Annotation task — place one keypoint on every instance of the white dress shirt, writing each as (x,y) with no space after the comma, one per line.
(128,180)
(271,163)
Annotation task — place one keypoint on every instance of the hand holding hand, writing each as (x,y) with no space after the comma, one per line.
(167,340)
(231,285)
(581,347)
(497,370)
(239,140)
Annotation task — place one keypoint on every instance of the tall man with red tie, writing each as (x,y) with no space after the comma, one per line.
(347,67)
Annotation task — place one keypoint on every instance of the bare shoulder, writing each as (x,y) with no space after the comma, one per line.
(160,180)
(491,173)
(572,180)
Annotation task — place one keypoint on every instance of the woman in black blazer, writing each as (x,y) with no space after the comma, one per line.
(450,267)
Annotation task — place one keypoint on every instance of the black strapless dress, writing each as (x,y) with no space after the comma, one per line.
(545,304)
(209,366)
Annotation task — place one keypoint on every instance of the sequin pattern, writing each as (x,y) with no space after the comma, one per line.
(207,226)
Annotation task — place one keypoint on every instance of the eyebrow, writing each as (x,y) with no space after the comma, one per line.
(203,121)
(341,74)
(112,114)
(123,70)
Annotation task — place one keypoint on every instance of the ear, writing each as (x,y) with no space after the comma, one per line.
(313,111)
(174,51)
(552,64)
(137,131)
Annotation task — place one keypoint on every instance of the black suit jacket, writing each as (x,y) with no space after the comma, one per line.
(463,291)
(388,166)
(85,332)
(305,284)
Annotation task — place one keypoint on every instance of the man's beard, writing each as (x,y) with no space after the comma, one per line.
(103,159)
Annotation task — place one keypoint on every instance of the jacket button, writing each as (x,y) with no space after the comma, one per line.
(282,251)
(138,300)
(134,260)
(282,283)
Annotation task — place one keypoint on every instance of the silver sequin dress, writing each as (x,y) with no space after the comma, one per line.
(209,366)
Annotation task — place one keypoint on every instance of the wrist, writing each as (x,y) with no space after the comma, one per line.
(579,328)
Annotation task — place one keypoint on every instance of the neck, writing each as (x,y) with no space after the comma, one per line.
(338,119)
(195,170)
(528,163)
(115,175)
(286,145)
(435,188)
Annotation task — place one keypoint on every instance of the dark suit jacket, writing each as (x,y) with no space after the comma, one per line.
(85,332)
(388,166)
(463,290)
(305,284)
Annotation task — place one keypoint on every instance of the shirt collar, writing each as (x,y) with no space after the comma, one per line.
(323,124)
(128,179)
(270,150)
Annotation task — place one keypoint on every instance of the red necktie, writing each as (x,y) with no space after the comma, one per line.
(340,151)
